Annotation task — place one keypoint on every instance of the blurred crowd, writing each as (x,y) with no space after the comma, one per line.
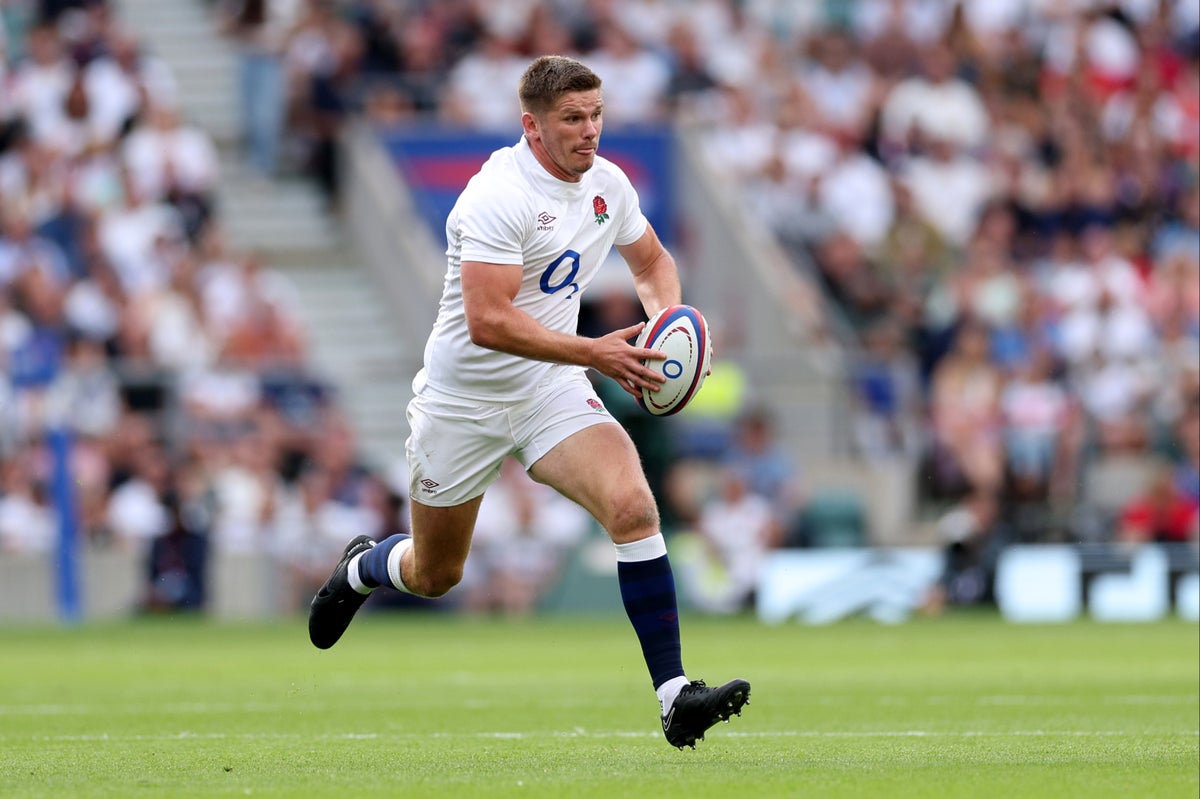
(999,198)
(175,362)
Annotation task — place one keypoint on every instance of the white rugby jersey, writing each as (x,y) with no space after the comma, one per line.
(515,212)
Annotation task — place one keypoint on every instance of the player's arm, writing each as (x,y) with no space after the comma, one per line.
(654,274)
(493,321)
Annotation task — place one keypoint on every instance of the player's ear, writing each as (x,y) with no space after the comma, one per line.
(531,124)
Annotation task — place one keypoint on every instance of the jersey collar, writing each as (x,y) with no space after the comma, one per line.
(543,179)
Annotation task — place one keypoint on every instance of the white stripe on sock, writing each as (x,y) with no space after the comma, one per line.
(393,565)
(637,551)
(354,577)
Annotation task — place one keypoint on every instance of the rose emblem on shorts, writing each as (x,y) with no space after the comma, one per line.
(600,208)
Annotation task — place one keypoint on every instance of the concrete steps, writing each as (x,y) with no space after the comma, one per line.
(355,345)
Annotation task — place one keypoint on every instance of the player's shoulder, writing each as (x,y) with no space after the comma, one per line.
(497,190)
(606,171)
(604,166)
(500,177)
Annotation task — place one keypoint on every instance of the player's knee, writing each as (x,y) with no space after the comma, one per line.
(633,515)
(436,582)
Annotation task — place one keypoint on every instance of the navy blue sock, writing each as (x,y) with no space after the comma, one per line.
(648,592)
(373,566)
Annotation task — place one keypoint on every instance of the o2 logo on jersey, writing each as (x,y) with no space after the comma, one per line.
(547,282)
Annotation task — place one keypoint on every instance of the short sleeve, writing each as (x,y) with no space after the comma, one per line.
(490,229)
(633,221)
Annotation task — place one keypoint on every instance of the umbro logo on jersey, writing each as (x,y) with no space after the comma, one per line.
(544,221)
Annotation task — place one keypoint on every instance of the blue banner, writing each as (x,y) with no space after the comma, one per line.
(436,163)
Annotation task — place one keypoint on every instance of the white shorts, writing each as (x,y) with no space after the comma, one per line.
(457,445)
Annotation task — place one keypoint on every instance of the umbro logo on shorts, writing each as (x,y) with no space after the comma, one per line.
(429,485)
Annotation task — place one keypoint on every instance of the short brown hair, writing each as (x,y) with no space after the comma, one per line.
(549,77)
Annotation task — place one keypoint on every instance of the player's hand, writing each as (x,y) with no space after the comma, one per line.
(616,358)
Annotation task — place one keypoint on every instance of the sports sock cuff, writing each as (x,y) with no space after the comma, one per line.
(393,564)
(637,551)
(355,578)
(668,691)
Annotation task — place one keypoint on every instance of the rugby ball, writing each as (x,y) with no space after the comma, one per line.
(681,333)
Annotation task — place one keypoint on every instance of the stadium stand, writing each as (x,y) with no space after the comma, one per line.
(989,217)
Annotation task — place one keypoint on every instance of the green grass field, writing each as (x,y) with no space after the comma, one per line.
(423,705)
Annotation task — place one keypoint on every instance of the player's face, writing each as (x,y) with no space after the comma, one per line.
(566,137)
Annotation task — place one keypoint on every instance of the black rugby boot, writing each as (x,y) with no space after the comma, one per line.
(336,603)
(699,707)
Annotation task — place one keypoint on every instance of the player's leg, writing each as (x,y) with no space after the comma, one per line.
(454,453)
(427,563)
(599,468)
(430,561)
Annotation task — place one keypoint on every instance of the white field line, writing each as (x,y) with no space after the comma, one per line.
(579,733)
(51,709)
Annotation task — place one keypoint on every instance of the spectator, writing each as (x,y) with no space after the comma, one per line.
(259,28)
(252,311)
(966,427)
(177,564)
(843,89)
(852,280)
(95,306)
(1160,513)
(635,80)
(950,189)
(856,195)
(119,85)
(41,84)
(86,392)
(165,325)
(935,106)
(27,522)
(1041,428)
(137,510)
(174,163)
(471,96)
(26,256)
(912,258)
(736,530)
(690,75)
(245,486)
(745,141)
(31,176)
(136,237)
(422,75)
(886,401)
(767,468)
